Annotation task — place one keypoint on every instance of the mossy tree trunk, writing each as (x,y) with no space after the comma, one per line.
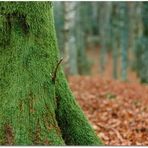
(35,108)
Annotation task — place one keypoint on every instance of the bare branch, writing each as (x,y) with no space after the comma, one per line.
(55,71)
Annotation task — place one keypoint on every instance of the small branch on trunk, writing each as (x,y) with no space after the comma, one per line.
(55,71)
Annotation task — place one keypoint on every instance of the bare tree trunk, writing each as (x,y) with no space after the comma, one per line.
(115,38)
(70,50)
(124,39)
(104,26)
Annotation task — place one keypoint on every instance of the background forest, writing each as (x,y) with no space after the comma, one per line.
(105,57)
(114,32)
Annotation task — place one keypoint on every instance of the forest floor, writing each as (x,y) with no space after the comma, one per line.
(118,111)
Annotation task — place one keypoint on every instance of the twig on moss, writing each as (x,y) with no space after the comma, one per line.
(55,71)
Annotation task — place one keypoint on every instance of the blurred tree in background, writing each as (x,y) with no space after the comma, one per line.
(69,47)
(104,32)
(74,38)
(142,44)
(124,26)
(115,37)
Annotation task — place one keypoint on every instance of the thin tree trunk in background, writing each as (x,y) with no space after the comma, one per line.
(115,61)
(95,10)
(139,19)
(83,63)
(124,39)
(132,23)
(70,50)
(142,52)
(135,29)
(115,38)
(59,23)
(104,24)
(138,34)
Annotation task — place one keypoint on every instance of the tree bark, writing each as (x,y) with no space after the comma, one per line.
(115,38)
(70,50)
(124,40)
(142,44)
(104,27)
(34,107)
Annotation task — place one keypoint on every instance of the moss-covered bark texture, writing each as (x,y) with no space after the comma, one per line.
(34,110)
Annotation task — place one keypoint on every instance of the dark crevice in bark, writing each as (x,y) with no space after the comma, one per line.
(6,30)
(21,19)
(8,135)
(57,116)
(36,137)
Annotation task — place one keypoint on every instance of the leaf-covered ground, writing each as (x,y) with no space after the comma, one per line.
(118,111)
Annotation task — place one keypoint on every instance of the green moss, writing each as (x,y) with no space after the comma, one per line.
(75,127)
(28,102)
(26,64)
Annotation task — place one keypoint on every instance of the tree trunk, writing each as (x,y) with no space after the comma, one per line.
(59,23)
(124,39)
(142,44)
(104,26)
(115,38)
(135,30)
(36,106)
(83,61)
(70,50)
